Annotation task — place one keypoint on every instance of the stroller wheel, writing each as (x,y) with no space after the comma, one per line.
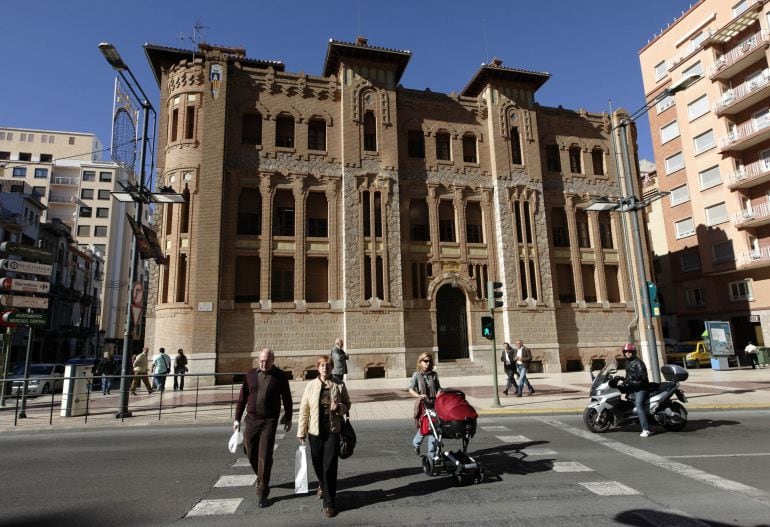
(457,478)
(428,466)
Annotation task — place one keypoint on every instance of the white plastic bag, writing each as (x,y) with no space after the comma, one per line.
(300,471)
(235,440)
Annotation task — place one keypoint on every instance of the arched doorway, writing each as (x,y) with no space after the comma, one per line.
(451,323)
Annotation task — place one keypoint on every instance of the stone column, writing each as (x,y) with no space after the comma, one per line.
(488,214)
(373,240)
(267,192)
(535,254)
(332,196)
(362,241)
(524,257)
(384,203)
(577,272)
(458,203)
(300,200)
(433,203)
(601,281)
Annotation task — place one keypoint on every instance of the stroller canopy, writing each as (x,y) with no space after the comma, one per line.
(452,406)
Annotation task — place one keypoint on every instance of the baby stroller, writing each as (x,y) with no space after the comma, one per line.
(451,417)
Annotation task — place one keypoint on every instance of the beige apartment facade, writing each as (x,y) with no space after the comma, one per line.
(345,205)
(712,152)
(64,168)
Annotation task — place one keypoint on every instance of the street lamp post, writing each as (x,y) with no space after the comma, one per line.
(630,203)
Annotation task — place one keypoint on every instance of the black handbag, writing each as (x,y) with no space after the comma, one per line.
(347,438)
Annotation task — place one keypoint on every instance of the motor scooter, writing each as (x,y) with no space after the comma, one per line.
(609,409)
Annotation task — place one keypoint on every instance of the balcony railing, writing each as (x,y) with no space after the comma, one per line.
(738,52)
(756,213)
(744,131)
(65,181)
(61,198)
(761,255)
(749,173)
(740,92)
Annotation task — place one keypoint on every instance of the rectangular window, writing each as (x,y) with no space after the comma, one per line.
(704,141)
(89,175)
(443,147)
(597,157)
(665,103)
(40,191)
(674,163)
(469,149)
(71,140)
(698,107)
(316,134)
(473,234)
(689,261)
(25,156)
(86,212)
(741,290)
(87,193)
(740,7)
(41,173)
(100,231)
(697,40)
(189,123)
(575,161)
(515,146)
(19,171)
(104,194)
(695,69)
(661,70)
(716,214)
(105,177)
(84,230)
(723,252)
(102,212)
(684,228)
(669,132)
(694,297)
(251,129)
(709,177)
(679,195)
(174,124)
(416,144)
(553,158)
(283,222)
(6,156)
(46,158)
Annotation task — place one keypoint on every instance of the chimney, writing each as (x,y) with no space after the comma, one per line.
(497,62)
(361,41)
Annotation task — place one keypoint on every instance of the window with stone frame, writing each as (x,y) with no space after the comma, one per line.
(566,283)
(316,134)
(283,213)
(189,122)
(605,230)
(559,228)
(516,157)
(284,131)
(181,278)
(552,158)
(583,232)
(370,131)
(597,158)
(247,278)
(469,149)
(474,229)
(317,279)
(575,160)
(317,215)
(443,146)
(418,220)
(249,212)
(446,221)
(282,279)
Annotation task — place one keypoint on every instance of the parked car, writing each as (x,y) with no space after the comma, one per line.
(691,353)
(44,378)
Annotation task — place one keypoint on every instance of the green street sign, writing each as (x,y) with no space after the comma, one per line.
(26,251)
(25,319)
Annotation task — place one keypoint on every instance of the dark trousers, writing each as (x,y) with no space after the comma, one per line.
(338,377)
(179,380)
(324,452)
(642,402)
(259,438)
(510,372)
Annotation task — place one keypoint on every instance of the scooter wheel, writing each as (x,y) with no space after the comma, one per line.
(597,422)
(428,466)
(480,476)
(678,424)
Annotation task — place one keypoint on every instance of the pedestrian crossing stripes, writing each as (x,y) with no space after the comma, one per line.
(570,466)
(244,480)
(215,507)
(609,488)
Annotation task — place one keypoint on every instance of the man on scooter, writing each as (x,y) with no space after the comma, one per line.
(636,385)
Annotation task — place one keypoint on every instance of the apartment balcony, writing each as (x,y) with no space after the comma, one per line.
(754,259)
(744,95)
(740,57)
(66,181)
(749,176)
(756,216)
(746,135)
(62,199)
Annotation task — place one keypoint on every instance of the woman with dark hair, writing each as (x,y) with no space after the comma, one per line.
(323,404)
(425,386)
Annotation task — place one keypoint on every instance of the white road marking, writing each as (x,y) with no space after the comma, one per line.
(719,455)
(663,462)
(241,462)
(211,507)
(495,428)
(609,488)
(539,452)
(570,466)
(514,439)
(240,480)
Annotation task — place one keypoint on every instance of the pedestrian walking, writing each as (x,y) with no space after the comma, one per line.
(180,368)
(106,368)
(323,404)
(340,360)
(263,391)
(751,352)
(161,367)
(140,372)
(508,358)
(523,358)
(425,386)
(637,386)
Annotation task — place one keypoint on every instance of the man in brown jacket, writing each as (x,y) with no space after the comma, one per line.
(262,392)
(523,358)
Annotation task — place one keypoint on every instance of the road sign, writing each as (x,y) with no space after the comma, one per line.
(25,251)
(34,302)
(29,319)
(26,286)
(26,267)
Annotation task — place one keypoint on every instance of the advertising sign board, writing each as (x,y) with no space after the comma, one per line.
(720,338)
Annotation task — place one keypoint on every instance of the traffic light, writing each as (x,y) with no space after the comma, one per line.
(494,291)
(652,294)
(488,327)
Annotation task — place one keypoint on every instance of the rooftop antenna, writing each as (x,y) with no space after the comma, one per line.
(358,17)
(486,50)
(196,38)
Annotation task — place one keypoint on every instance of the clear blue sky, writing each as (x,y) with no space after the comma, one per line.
(55,78)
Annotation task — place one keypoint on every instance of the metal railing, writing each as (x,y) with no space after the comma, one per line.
(203,393)
(740,92)
(736,53)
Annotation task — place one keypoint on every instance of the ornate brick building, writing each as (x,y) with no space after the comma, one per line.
(348,205)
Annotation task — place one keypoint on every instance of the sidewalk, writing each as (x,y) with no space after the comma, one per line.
(383,399)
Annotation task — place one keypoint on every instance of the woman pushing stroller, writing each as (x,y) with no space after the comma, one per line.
(425,387)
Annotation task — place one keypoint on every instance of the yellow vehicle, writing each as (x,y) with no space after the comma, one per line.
(693,353)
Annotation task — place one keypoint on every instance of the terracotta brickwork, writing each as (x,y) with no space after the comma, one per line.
(347,205)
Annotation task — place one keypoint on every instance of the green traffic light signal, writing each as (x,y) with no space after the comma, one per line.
(488,327)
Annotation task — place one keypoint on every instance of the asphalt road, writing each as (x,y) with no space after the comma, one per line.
(539,471)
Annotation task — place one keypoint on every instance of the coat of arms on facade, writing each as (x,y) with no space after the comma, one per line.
(215,76)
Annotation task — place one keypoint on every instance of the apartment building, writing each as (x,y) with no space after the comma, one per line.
(346,205)
(712,153)
(65,169)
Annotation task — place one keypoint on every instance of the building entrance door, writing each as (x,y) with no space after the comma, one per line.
(451,323)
